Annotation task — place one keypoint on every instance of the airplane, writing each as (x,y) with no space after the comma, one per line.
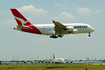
(54,30)
(58,60)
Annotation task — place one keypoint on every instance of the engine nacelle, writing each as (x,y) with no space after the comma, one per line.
(75,31)
(69,28)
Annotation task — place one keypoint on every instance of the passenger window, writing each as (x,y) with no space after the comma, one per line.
(86,26)
(82,26)
(74,26)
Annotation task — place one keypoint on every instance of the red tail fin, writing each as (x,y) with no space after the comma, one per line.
(20,19)
(53,56)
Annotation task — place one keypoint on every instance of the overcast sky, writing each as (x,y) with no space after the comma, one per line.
(26,46)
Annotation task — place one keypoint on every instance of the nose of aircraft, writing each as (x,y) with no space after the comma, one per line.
(92,29)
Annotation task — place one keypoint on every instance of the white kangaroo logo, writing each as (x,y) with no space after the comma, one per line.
(22,21)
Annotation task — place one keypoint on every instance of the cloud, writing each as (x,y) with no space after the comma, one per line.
(84,11)
(74,4)
(67,15)
(58,4)
(62,16)
(9,21)
(99,11)
(32,10)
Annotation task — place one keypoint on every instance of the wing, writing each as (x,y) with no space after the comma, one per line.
(57,24)
(60,29)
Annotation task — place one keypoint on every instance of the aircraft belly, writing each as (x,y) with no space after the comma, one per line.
(83,31)
(46,30)
(50,30)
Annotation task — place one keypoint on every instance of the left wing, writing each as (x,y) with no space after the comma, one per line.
(57,24)
(60,29)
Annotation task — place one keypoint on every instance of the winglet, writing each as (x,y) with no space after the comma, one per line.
(53,21)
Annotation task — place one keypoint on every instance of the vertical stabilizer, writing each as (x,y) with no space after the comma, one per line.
(20,19)
(53,56)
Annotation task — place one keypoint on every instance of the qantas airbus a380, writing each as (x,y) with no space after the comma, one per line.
(54,30)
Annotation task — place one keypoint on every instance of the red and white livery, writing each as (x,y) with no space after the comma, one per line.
(54,30)
(58,60)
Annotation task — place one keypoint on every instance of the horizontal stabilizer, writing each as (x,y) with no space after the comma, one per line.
(21,27)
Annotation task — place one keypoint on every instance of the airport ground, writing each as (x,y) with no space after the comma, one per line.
(43,65)
(53,67)
(45,62)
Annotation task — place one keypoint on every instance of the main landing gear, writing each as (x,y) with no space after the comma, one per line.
(55,36)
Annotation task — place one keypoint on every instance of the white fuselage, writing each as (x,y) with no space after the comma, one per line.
(56,29)
(48,29)
(58,60)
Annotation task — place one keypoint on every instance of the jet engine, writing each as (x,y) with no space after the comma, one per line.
(69,28)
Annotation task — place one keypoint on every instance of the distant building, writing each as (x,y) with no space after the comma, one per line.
(87,59)
(95,59)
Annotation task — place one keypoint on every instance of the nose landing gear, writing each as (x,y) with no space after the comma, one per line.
(89,35)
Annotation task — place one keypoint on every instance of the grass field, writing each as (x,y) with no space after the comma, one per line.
(53,67)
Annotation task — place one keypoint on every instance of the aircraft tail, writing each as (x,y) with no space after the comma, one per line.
(20,19)
(53,56)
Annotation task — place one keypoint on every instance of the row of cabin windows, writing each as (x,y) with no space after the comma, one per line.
(80,26)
